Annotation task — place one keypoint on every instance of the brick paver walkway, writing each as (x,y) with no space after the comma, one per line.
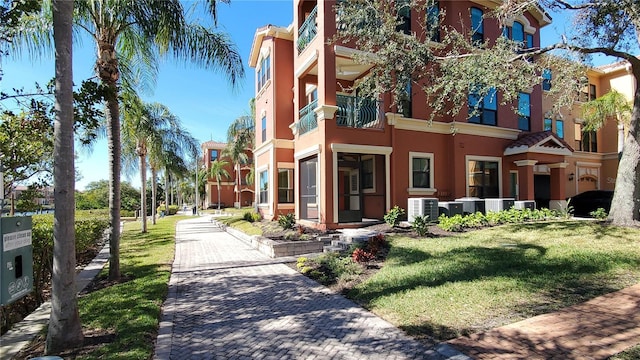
(596,329)
(229,301)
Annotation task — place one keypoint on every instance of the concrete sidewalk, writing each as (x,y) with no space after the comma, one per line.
(227,300)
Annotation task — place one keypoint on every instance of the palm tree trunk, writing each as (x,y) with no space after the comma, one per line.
(143,192)
(65,329)
(166,191)
(218,194)
(154,190)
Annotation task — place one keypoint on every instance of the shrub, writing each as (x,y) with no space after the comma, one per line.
(376,244)
(599,214)
(360,255)
(453,223)
(287,221)
(393,216)
(420,225)
(251,216)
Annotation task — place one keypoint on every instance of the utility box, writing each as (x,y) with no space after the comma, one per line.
(16,258)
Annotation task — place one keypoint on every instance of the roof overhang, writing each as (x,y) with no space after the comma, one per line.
(549,145)
(267,31)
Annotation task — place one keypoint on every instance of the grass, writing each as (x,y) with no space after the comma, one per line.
(131,308)
(451,286)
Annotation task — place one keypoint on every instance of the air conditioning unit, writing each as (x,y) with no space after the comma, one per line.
(496,205)
(423,207)
(450,208)
(525,204)
(472,205)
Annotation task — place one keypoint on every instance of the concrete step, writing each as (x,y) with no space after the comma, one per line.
(328,249)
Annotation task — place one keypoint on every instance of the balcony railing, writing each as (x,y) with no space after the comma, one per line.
(308,30)
(360,113)
(308,118)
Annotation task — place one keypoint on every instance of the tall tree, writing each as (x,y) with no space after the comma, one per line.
(460,65)
(613,104)
(130,37)
(240,138)
(65,330)
(218,171)
(150,132)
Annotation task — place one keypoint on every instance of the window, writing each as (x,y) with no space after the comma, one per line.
(588,93)
(264,128)
(529,42)
(285,186)
(433,21)
(405,103)
(477,26)
(264,187)
(213,155)
(264,73)
(484,110)
(308,189)
(404,16)
(524,111)
(421,172)
(517,32)
(589,141)
(483,179)
(547,124)
(546,79)
(560,128)
(368,174)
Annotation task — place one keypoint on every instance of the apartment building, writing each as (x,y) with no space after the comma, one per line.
(336,160)
(230,194)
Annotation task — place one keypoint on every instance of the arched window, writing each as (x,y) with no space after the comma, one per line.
(517,32)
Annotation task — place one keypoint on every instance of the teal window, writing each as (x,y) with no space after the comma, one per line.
(546,79)
(404,16)
(433,21)
(524,111)
(483,110)
(213,155)
(547,124)
(477,26)
(264,129)
(560,129)
(517,32)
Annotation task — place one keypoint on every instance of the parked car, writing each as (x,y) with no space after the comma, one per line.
(591,200)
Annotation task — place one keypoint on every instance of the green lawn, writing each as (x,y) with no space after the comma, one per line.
(131,308)
(451,286)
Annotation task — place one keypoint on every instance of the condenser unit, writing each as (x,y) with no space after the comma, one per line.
(525,204)
(496,205)
(424,207)
(471,205)
(450,208)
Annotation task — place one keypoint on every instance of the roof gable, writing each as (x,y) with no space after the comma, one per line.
(545,142)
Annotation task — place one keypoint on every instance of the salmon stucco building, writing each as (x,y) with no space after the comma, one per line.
(336,160)
(231,195)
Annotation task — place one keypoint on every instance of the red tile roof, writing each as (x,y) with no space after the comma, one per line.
(538,138)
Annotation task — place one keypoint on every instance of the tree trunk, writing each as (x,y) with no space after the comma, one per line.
(65,329)
(625,207)
(154,190)
(218,184)
(166,191)
(143,191)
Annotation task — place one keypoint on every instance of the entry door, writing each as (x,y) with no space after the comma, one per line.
(354,189)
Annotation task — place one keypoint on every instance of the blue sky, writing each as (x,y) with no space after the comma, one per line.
(202,99)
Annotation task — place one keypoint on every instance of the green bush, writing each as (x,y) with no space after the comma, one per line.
(599,214)
(476,220)
(287,221)
(394,215)
(421,225)
(251,216)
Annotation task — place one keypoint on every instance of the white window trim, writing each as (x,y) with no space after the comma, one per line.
(373,160)
(421,191)
(260,170)
(468,158)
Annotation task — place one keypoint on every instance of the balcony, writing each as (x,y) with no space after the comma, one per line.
(308,119)
(308,30)
(359,113)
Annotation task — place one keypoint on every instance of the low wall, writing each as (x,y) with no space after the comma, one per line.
(276,249)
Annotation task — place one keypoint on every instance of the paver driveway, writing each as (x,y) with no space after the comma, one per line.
(227,300)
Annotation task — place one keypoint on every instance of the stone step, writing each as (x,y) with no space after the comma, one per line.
(328,249)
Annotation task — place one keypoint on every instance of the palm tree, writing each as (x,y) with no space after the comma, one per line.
(217,171)
(130,36)
(151,130)
(240,137)
(611,105)
(65,330)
